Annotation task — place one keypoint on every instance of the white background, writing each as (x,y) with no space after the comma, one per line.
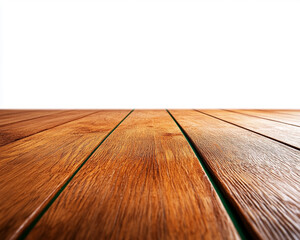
(150,54)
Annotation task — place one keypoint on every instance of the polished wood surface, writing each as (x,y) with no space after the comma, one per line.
(33,169)
(293,112)
(260,176)
(274,115)
(281,132)
(145,174)
(18,130)
(8,117)
(144,182)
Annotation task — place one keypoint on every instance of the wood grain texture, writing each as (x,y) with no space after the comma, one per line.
(21,115)
(278,131)
(4,112)
(295,112)
(273,116)
(33,169)
(260,176)
(15,131)
(143,182)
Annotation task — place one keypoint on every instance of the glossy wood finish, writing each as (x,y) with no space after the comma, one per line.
(34,168)
(143,182)
(293,112)
(4,112)
(8,117)
(261,177)
(18,130)
(273,116)
(284,133)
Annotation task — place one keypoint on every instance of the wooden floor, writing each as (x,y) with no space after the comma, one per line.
(149,174)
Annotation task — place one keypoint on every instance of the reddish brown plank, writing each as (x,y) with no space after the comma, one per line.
(15,131)
(261,177)
(281,132)
(33,169)
(22,115)
(4,112)
(272,116)
(144,182)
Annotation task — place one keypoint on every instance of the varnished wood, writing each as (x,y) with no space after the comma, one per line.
(291,112)
(33,169)
(273,116)
(295,112)
(282,132)
(18,130)
(261,177)
(4,112)
(143,182)
(8,117)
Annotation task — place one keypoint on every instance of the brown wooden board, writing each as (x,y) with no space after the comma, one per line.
(295,112)
(15,131)
(143,182)
(281,132)
(8,117)
(289,112)
(261,177)
(33,169)
(272,116)
(4,112)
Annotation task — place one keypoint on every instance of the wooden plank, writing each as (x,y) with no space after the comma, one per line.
(278,131)
(33,169)
(15,131)
(22,115)
(144,182)
(4,112)
(261,177)
(295,112)
(273,116)
(290,112)
(7,112)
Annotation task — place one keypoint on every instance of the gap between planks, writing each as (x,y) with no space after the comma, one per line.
(36,178)
(229,207)
(254,192)
(274,139)
(26,231)
(150,133)
(15,131)
(256,116)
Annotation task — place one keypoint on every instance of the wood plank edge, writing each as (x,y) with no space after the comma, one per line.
(33,219)
(60,124)
(269,119)
(32,118)
(263,135)
(237,217)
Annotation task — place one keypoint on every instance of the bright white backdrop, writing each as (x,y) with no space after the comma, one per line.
(150,54)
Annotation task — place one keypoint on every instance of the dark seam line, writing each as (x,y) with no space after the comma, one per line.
(29,119)
(294,125)
(50,128)
(20,111)
(274,139)
(238,221)
(290,113)
(27,230)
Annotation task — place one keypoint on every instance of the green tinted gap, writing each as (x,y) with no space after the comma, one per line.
(232,212)
(26,231)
